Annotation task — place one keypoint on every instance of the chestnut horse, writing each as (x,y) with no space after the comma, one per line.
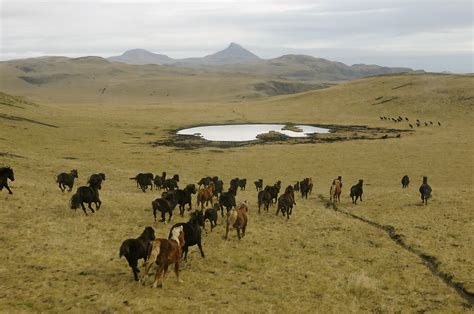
(237,218)
(205,195)
(335,191)
(165,252)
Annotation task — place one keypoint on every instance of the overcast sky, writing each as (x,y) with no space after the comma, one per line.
(435,35)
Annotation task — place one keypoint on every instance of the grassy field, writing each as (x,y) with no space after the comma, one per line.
(56,259)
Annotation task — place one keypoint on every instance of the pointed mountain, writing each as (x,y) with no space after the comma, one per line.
(232,55)
(141,56)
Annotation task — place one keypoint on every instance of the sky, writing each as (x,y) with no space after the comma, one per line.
(433,35)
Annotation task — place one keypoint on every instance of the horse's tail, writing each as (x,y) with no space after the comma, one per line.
(75,201)
(124,249)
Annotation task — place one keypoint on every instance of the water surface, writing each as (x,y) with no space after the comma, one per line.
(246,132)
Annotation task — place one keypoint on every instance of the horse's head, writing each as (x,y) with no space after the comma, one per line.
(102,175)
(10,174)
(425,179)
(149,233)
(74,173)
(191,188)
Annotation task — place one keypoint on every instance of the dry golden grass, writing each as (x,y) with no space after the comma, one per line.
(55,259)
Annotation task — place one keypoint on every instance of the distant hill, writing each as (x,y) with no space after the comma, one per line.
(235,58)
(233,54)
(141,56)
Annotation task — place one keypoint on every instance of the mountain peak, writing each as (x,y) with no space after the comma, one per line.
(234,53)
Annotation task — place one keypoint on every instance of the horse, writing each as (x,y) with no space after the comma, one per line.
(135,249)
(66,179)
(165,252)
(405,181)
(356,192)
(264,198)
(296,187)
(171,184)
(335,191)
(204,182)
(144,180)
(184,197)
(6,173)
(96,180)
(274,190)
(286,202)
(259,185)
(306,187)
(242,184)
(425,191)
(211,215)
(85,194)
(206,195)
(159,181)
(237,218)
(165,204)
(192,232)
(227,200)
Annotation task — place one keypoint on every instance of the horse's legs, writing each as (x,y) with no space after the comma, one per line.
(8,188)
(200,247)
(176,271)
(222,211)
(238,232)
(133,264)
(62,189)
(226,230)
(158,277)
(171,214)
(185,251)
(90,207)
(83,208)
(163,217)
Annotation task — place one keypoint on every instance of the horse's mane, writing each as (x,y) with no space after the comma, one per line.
(175,233)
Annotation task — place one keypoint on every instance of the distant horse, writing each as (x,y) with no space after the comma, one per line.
(425,191)
(259,185)
(286,202)
(6,173)
(356,192)
(211,215)
(165,204)
(264,198)
(171,184)
(86,194)
(405,181)
(206,195)
(144,180)
(274,190)
(159,181)
(335,191)
(306,186)
(135,249)
(184,197)
(242,183)
(227,200)
(237,218)
(66,179)
(165,252)
(192,232)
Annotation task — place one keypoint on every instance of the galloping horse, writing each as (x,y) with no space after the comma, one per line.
(165,252)
(6,173)
(335,191)
(205,195)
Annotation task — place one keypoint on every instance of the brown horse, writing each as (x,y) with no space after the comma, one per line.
(335,191)
(165,252)
(205,195)
(238,218)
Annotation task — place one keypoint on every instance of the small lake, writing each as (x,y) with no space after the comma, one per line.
(248,132)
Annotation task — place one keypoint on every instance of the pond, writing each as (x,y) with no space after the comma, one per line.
(249,132)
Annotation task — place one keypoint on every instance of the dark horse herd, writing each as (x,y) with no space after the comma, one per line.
(209,191)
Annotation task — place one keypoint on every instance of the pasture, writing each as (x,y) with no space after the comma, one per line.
(322,259)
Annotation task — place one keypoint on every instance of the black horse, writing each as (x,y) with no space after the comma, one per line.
(184,197)
(171,184)
(356,192)
(227,200)
(144,180)
(86,194)
(134,249)
(192,232)
(66,179)
(165,204)
(405,181)
(264,198)
(211,215)
(258,184)
(96,179)
(425,191)
(6,173)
